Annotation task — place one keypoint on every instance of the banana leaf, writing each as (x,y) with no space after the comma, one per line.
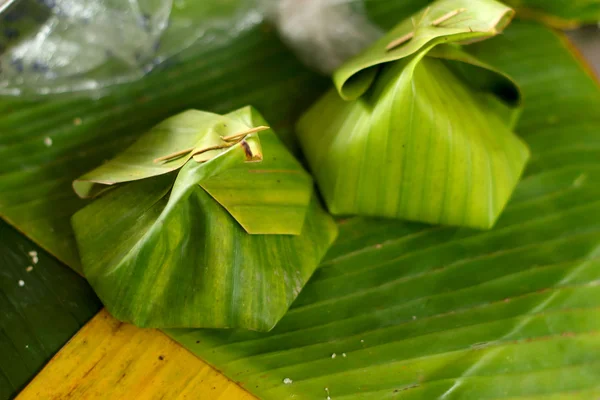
(42,304)
(110,360)
(265,196)
(557,13)
(421,131)
(36,195)
(250,68)
(410,311)
(222,235)
(35,181)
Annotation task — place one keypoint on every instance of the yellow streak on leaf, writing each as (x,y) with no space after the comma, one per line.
(108,359)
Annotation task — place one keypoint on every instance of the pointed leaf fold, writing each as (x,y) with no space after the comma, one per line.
(426,135)
(228,242)
(445,21)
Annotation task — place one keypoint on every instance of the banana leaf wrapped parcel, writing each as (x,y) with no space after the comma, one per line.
(207,221)
(416,128)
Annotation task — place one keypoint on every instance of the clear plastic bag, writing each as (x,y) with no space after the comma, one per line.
(66,46)
(62,46)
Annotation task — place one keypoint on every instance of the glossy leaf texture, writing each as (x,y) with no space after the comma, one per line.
(444,21)
(426,142)
(109,360)
(267,195)
(250,68)
(254,69)
(183,261)
(162,252)
(42,304)
(267,191)
(407,311)
(45,144)
(192,130)
(35,179)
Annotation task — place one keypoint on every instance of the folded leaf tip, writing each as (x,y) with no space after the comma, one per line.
(202,229)
(445,21)
(417,128)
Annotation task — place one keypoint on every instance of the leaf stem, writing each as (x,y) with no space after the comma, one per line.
(240,135)
(401,40)
(231,138)
(216,147)
(173,155)
(446,17)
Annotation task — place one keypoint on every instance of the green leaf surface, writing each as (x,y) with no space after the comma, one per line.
(35,179)
(191,129)
(427,312)
(430,141)
(161,252)
(42,305)
(250,67)
(266,193)
(256,69)
(423,147)
(460,21)
(269,196)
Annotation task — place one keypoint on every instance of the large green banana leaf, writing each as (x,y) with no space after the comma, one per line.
(407,311)
(188,248)
(406,136)
(255,69)
(35,180)
(42,304)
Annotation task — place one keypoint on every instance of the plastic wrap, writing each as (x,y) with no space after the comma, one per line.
(61,46)
(64,46)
